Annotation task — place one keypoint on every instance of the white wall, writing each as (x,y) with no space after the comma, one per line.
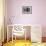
(38,15)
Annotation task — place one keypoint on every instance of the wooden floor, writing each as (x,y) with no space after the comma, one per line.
(23,43)
(18,43)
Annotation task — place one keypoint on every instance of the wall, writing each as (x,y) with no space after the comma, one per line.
(38,16)
(39,13)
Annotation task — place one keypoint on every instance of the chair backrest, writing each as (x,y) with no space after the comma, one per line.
(18,30)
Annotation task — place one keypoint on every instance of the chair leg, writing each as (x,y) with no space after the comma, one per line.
(15,38)
(25,36)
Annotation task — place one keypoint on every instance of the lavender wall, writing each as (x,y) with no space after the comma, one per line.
(38,16)
(39,13)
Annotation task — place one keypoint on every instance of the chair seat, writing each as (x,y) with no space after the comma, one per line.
(18,33)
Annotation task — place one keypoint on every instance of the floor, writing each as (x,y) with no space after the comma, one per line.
(23,43)
(18,43)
